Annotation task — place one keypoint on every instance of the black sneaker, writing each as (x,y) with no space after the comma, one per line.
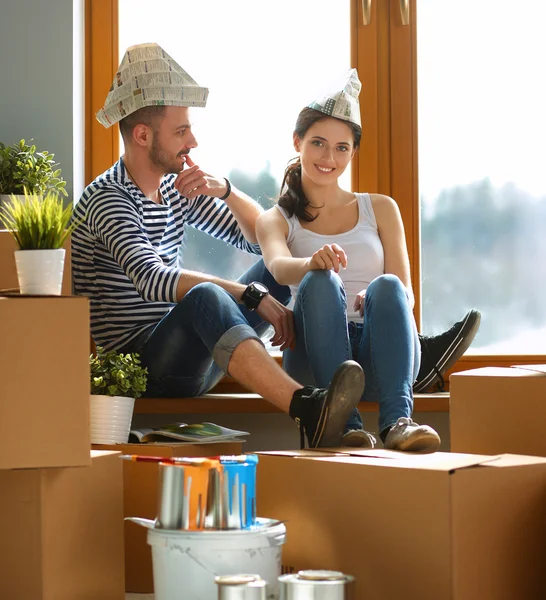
(322,414)
(439,353)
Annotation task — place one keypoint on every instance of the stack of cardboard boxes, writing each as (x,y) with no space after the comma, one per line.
(61,504)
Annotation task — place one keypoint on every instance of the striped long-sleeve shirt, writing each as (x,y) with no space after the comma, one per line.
(125,252)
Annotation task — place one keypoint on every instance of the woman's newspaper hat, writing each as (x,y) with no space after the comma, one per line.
(341,100)
(148,76)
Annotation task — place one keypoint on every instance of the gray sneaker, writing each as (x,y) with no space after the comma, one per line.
(358,438)
(407,436)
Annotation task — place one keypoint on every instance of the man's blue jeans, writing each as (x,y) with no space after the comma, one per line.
(188,352)
(386,345)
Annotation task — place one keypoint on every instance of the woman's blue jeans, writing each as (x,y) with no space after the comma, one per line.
(188,352)
(386,344)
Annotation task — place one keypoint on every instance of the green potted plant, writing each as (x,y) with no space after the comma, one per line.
(40,227)
(23,167)
(117,380)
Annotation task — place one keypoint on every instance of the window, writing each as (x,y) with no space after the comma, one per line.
(485,57)
(482,153)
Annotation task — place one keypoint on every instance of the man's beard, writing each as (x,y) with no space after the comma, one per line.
(162,160)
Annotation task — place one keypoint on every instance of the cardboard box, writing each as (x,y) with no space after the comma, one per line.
(8,271)
(44,382)
(495,410)
(430,527)
(140,500)
(62,532)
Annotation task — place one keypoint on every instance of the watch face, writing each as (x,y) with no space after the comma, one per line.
(260,287)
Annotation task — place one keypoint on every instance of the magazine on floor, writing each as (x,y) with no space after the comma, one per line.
(198,433)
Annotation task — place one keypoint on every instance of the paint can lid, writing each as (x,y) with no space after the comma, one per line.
(321,575)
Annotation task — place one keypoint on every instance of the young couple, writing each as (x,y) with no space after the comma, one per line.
(343,256)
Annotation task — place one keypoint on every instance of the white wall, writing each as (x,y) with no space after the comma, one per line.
(41,76)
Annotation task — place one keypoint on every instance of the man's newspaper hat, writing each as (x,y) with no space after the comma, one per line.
(341,100)
(148,76)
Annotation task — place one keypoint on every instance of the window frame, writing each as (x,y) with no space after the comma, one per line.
(385,54)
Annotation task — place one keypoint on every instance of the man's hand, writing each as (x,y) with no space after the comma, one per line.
(282,319)
(359,303)
(193,181)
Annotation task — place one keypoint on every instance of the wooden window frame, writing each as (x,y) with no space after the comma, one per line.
(384,52)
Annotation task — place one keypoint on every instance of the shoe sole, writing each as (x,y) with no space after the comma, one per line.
(343,396)
(455,350)
(357,439)
(426,443)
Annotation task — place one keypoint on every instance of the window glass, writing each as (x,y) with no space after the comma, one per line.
(482,153)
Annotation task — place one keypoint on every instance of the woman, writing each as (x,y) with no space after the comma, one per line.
(344,256)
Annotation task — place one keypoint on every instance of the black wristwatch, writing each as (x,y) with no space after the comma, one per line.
(254,294)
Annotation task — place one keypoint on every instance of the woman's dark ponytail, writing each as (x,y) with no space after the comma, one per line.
(292,197)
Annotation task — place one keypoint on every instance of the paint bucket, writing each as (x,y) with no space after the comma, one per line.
(185,563)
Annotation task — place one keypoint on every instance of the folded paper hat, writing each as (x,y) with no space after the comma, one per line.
(341,100)
(148,76)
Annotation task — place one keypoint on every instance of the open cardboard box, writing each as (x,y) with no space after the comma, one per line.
(438,526)
(140,483)
(495,410)
(62,532)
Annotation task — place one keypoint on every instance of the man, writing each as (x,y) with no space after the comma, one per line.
(189,328)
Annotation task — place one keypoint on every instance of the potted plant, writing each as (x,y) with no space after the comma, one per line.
(23,167)
(40,227)
(117,380)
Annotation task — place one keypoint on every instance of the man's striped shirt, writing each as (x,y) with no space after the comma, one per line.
(125,253)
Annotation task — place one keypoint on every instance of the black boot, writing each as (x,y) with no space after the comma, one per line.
(440,352)
(322,414)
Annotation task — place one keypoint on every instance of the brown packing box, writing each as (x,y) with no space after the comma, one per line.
(8,271)
(431,527)
(495,410)
(140,500)
(44,382)
(62,532)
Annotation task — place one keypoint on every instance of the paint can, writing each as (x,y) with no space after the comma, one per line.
(241,587)
(316,585)
(183,493)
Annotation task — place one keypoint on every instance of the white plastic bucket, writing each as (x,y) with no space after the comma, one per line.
(185,563)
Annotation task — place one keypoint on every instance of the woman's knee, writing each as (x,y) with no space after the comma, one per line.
(321,283)
(386,285)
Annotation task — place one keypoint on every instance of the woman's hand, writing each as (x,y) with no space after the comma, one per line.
(359,303)
(329,258)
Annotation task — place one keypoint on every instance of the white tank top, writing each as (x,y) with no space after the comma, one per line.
(365,257)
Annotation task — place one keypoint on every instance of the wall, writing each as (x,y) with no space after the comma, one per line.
(41,80)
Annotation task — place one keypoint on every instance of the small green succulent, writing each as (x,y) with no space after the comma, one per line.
(115,374)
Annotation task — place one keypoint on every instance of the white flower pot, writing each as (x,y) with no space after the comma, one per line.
(110,419)
(40,271)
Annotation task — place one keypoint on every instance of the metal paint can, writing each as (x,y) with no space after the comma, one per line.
(316,585)
(241,587)
(183,493)
(232,501)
